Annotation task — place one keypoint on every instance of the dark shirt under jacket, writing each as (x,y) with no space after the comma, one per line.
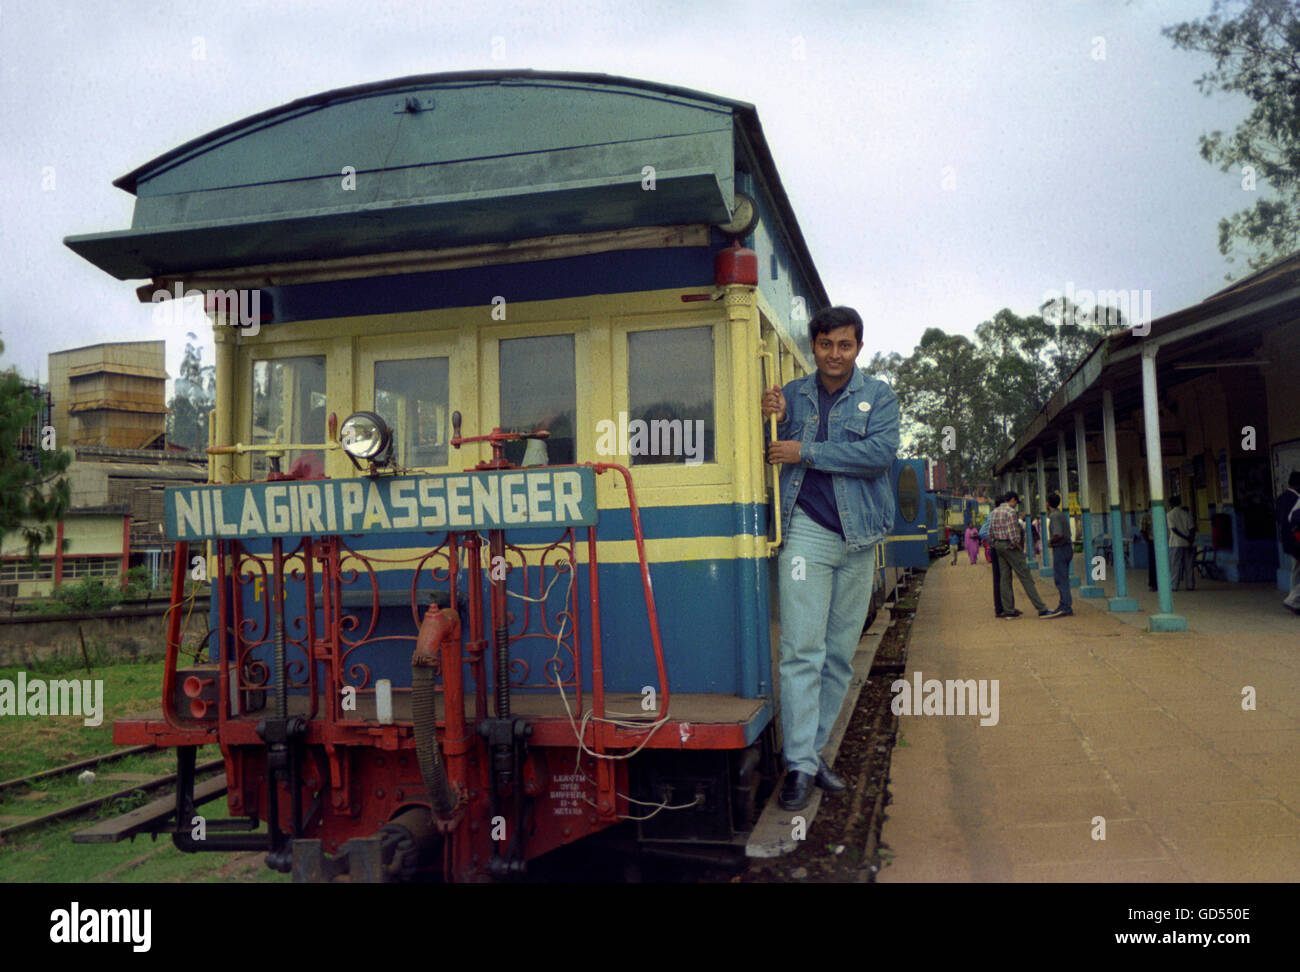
(817,493)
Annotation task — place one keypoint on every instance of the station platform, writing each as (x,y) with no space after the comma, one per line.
(1230,608)
(1098,718)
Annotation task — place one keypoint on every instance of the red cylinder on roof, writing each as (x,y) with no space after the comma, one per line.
(735,265)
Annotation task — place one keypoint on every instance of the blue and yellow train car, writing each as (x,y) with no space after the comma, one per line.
(416,287)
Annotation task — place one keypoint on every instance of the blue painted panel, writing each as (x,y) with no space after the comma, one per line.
(599,273)
(713,616)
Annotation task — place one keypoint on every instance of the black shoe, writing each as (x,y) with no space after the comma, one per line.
(827,779)
(796,791)
(1000,614)
(1011,615)
(1044,613)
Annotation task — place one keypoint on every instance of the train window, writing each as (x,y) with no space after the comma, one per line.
(909,493)
(289,406)
(539,391)
(411,394)
(670,390)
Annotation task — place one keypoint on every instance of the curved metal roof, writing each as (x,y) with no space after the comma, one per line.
(566,156)
(414,82)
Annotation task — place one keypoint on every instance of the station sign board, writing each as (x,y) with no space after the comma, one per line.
(495,499)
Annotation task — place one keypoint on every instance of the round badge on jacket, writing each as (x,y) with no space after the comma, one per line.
(864,406)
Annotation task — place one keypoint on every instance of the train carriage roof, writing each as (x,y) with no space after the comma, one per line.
(443,160)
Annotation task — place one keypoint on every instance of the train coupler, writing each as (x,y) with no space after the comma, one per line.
(506,740)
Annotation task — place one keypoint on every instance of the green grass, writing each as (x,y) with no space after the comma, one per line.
(31,744)
(60,791)
(48,855)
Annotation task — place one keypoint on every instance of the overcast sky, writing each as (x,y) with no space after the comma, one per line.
(945,159)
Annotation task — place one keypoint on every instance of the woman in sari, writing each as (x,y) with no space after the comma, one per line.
(973,543)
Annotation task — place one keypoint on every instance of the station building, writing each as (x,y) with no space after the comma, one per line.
(106,403)
(1202,410)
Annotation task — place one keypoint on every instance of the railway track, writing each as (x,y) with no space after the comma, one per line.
(94,803)
(843,844)
(81,764)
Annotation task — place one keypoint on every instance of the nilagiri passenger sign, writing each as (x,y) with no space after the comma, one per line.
(513,498)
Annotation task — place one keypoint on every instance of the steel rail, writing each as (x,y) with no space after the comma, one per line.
(87,763)
(87,805)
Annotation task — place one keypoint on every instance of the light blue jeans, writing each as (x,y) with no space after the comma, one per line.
(825,593)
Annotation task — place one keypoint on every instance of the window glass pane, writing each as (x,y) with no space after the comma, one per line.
(670,395)
(289,406)
(22,570)
(538,391)
(411,396)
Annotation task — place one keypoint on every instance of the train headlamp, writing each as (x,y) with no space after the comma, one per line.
(364,435)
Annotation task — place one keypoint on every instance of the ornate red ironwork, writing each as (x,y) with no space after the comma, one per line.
(337,592)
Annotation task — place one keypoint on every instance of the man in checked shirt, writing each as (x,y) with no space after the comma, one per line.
(1008,538)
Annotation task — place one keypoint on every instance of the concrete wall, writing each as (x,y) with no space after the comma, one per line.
(131,634)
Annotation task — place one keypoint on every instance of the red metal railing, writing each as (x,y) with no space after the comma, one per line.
(324,643)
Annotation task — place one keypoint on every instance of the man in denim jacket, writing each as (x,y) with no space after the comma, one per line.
(837,437)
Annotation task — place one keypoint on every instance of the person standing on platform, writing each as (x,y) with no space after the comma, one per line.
(1009,541)
(1149,535)
(1182,531)
(993,558)
(1062,544)
(837,436)
(1287,516)
(973,543)
(954,541)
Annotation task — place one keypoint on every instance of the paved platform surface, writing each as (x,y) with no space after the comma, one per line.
(1098,718)
(1229,608)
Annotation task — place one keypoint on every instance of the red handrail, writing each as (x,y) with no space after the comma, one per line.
(180,567)
(651,610)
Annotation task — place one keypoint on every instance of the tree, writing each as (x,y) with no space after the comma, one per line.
(967,401)
(34,494)
(193,399)
(1255,54)
(1020,375)
(941,389)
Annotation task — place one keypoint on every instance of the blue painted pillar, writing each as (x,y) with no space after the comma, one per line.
(1045,570)
(1063,487)
(1088,588)
(1165,620)
(1121,601)
(1027,505)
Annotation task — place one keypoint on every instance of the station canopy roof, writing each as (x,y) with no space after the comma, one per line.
(1223,331)
(434,161)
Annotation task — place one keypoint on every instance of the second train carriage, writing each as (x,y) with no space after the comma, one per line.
(528,276)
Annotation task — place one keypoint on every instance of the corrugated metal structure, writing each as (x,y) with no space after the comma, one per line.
(110,394)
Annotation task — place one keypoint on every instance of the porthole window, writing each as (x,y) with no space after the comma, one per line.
(909,493)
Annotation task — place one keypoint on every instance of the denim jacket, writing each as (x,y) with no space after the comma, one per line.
(861,443)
